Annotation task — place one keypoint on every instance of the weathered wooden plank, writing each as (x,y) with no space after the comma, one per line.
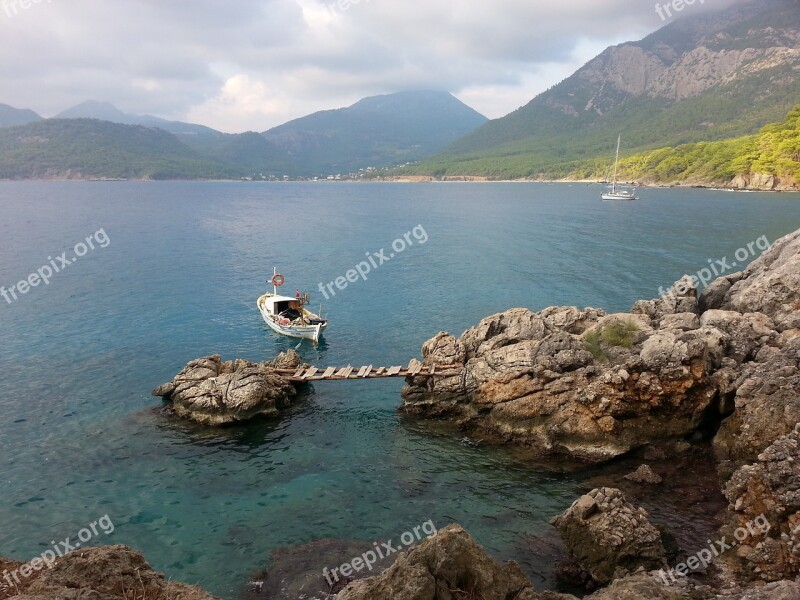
(380,371)
(328,372)
(298,373)
(394,371)
(347,372)
(310,373)
(413,368)
(365,371)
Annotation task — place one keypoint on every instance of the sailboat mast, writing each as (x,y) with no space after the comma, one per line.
(616,164)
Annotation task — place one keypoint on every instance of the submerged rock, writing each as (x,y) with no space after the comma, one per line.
(213,392)
(609,537)
(297,571)
(644,474)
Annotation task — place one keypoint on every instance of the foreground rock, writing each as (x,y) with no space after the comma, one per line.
(609,537)
(765,501)
(447,566)
(213,392)
(107,573)
(594,386)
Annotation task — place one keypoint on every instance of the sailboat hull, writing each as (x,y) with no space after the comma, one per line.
(618,196)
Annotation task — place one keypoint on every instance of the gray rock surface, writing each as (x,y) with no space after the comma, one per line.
(213,392)
(609,537)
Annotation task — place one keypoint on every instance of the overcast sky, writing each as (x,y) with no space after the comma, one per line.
(239,65)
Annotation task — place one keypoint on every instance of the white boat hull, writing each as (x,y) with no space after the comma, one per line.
(306,332)
(612,196)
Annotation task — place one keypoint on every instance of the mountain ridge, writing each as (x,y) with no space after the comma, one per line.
(704,77)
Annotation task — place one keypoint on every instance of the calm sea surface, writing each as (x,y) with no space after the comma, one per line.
(179,279)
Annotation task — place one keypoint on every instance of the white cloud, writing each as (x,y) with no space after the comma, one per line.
(254,64)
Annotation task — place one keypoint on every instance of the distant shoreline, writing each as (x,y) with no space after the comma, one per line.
(417,180)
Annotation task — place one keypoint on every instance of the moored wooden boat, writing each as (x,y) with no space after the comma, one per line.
(289,316)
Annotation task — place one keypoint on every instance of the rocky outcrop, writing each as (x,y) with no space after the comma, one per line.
(106,573)
(577,382)
(448,566)
(213,392)
(609,537)
(594,386)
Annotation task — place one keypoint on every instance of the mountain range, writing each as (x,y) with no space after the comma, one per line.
(704,78)
(96,139)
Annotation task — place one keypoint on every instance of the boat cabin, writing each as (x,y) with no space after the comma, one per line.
(283,306)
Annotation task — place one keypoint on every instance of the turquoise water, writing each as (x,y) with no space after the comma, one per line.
(179,279)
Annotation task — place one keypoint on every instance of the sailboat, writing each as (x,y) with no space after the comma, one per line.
(616,192)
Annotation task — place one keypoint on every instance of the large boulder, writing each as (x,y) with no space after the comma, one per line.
(105,573)
(608,537)
(448,566)
(213,392)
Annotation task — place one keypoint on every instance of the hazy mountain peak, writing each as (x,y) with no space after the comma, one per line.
(11,117)
(376,131)
(94,109)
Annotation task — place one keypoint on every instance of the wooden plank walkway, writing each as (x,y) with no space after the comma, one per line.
(369,372)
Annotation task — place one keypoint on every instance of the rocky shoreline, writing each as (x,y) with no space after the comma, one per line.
(722,366)
(592,386)
(758,182)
